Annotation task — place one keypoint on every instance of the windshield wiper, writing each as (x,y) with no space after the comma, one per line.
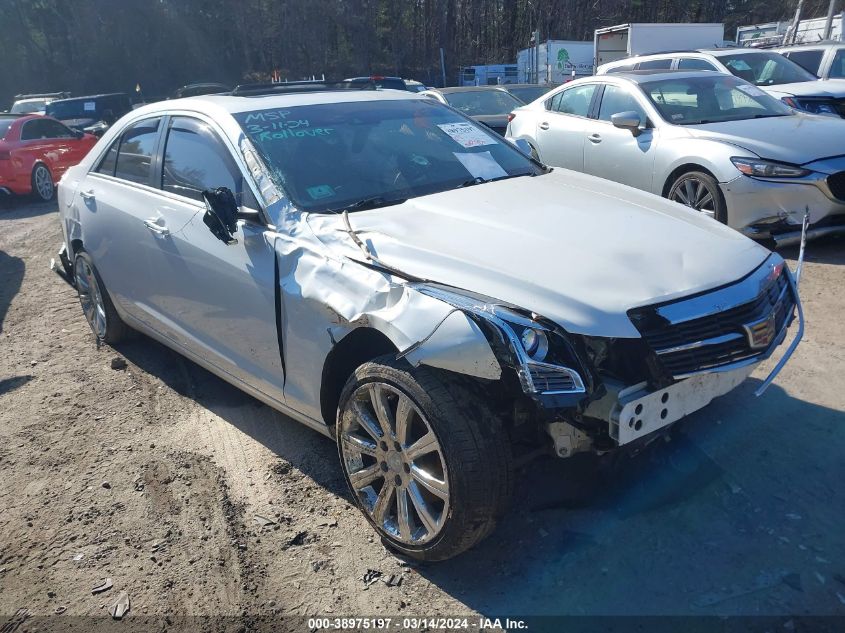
(373,202)
(478,180)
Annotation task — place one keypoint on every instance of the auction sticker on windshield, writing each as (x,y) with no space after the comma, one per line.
(467,134)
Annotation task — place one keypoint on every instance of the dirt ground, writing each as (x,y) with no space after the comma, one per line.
(196,499)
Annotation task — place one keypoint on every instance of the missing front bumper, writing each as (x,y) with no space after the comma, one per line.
(639,412)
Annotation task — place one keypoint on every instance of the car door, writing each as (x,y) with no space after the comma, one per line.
(33,147)
(561,128)
(116,205)
(216,300)
(62,147)
(617,154)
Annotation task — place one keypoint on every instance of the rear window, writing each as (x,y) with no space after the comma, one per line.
(134,159)
(837,69)
(483,102)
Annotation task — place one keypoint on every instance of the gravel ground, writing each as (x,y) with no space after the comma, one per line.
(196,499)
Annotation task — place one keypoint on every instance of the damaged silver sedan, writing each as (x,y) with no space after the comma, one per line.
(388,272)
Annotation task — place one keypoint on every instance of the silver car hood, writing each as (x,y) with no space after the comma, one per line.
(797,139)
(821,88)
(576,249)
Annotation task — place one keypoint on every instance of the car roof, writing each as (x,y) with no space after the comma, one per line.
(469,89)
(803,45)
(640,76)
(212,104)
(89,97)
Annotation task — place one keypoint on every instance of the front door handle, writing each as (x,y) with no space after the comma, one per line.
(156,225)
(544,125)
(595,138)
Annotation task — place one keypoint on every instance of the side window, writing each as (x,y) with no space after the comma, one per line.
(31,130)
(54,129)
(576,101)
(622,68)
(692,63)
(655,64)
(809,59)
(137,145)
(195,159)
(837,69)
(109,161)
(616,100)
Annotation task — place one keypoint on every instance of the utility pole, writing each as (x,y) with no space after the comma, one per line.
(792,33)
(828,25)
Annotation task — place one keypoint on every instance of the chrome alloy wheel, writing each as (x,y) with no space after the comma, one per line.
(43,182)
(692,192)
(90,297)
(394,463)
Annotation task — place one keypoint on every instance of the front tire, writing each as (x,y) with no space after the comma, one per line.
(43,188)
(96,304)
(701,192)
(428,463)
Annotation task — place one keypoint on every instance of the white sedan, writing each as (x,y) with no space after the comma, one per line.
(390,273)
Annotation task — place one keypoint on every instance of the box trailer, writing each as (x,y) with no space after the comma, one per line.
(625,40)
(554,61)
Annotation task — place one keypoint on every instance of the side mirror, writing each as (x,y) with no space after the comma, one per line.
(221,214)
(522,145)
(77,133)
(628,121)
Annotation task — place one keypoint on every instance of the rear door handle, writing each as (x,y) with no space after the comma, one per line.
(87,194)
(544,126)
(156,225)
(595,138)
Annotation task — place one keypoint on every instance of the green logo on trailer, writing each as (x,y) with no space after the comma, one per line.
(562,58)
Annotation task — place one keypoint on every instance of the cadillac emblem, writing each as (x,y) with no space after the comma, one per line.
(760,333)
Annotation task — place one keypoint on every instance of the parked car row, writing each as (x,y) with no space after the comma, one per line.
(406,281)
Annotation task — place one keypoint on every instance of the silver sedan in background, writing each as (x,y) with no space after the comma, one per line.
(710,141)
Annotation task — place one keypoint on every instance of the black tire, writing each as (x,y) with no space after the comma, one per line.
(42,190)
(474,445)
(113,329)
(709,201)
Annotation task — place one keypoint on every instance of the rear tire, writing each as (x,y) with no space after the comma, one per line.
(428,504)
(43,188)
(701,192)
(96,303)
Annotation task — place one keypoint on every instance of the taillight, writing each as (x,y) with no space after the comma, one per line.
(511,116)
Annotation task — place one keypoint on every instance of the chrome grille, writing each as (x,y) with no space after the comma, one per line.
(689,346)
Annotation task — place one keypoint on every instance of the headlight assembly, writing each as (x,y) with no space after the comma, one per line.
(767,168)
(545,361)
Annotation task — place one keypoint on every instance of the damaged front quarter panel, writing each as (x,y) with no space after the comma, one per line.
(325,298)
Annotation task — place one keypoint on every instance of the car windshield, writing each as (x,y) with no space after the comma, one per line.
(483,102)
(711,99)
(765,69)
(27,107)
(529,93)
(837,69)
(356,155)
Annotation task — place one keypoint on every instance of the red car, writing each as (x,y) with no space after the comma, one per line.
(35,151)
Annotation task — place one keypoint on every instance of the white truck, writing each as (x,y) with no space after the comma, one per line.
(554,61)
(624,40)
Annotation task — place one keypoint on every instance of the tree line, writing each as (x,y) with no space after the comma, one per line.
(88,46)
